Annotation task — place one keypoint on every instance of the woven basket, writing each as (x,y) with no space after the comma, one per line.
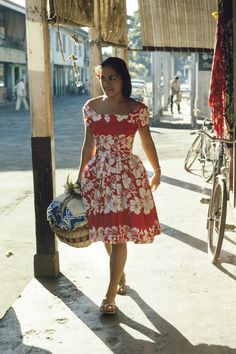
(77,238)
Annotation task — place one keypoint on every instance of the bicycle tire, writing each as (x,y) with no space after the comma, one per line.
(207,170)
(217,218)
(193,153)
(207,158)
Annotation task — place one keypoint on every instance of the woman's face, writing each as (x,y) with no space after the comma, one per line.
(111,82)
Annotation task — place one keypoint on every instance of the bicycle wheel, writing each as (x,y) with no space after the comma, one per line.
(217,217)
(207,169)
(208,158)
(193,153)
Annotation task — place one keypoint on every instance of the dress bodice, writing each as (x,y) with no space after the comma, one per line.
(112,133)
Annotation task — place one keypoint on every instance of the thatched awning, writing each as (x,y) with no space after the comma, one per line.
(178,25)
(113,18)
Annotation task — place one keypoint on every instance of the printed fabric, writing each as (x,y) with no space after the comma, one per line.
(221,86)
(115,186)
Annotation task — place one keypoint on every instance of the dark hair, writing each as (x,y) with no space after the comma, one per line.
(121,69)
(176,77)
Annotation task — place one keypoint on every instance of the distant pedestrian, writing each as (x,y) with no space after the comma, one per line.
(21,95)
(175,93)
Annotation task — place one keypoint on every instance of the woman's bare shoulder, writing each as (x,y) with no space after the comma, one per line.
(136,105)
(94,102)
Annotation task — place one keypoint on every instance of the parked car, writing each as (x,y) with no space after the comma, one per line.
(140,93)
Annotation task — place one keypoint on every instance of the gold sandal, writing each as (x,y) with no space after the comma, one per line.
(108,309)
(122,288)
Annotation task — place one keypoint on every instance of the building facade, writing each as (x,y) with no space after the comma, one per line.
(68,76)
(65,44)
(12,48)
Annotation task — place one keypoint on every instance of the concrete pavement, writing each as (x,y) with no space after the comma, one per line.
(177,301)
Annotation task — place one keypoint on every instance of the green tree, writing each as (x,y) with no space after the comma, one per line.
(139,61)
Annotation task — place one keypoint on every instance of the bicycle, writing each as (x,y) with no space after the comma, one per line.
(203,149)
(217,211)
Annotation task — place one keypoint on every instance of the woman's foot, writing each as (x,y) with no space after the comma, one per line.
(122,285)
(108,308)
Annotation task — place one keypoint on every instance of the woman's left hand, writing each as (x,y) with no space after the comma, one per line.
(155,180)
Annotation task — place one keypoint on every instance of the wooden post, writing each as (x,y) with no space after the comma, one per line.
(193,91)
(46,260)
(166,79)
(234,105)
(156,84)
(95,51)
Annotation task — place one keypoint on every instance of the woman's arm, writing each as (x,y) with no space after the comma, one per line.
(151,153)
(88,150)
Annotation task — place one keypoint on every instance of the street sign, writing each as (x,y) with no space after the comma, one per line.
(205,61)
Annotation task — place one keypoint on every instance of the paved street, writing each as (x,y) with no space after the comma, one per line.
(177,302)
(16,186)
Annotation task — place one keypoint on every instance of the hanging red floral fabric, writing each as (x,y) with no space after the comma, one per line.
(221,86)
(217,85)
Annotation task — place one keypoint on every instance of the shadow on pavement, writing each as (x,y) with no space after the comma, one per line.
(166,338)
(11,336)
(183,237)
(226,258)
(172,125)
(170,336)
(186,185)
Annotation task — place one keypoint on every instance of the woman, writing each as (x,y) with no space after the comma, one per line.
(115,187)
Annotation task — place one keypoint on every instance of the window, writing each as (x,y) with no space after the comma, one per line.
(2,25)
(70,47)
(57,41)
(64,42)
(75,49)
(79,50)
(2,81)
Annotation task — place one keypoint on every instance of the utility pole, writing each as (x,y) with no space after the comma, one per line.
(46,260)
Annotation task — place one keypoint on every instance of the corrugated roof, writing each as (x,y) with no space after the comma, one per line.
(178,24)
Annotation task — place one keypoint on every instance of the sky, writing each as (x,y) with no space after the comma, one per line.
(132,5)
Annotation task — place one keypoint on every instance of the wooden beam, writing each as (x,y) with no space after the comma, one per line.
(171,49)
(233,197)
(46,260)
(95,51)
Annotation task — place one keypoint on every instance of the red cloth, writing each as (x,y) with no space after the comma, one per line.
(217,95)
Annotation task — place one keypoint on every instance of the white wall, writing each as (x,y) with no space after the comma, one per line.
(70,47)
(202,92)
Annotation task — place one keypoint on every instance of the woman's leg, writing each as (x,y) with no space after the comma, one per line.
(117,264)
(122,281)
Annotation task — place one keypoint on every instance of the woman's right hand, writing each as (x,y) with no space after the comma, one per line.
(155,180)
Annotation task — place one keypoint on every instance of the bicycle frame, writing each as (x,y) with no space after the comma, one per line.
(201,150)
(217,210)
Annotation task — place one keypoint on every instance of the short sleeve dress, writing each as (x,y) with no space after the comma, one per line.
(115,187)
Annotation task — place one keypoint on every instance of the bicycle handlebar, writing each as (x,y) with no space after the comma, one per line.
(227,141)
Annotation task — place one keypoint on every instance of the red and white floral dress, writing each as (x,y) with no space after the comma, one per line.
(115,186)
